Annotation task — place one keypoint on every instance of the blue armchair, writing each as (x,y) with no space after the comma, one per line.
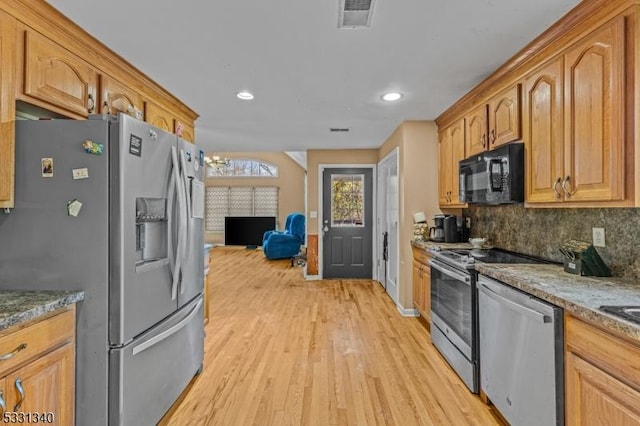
(285,244)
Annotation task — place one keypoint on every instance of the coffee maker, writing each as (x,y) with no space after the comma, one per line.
(437,232)
(451,234)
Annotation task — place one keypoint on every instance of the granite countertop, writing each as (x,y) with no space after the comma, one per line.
(21,306)
(580,296)
(431,245)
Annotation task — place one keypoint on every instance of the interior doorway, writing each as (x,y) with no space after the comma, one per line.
(387,244)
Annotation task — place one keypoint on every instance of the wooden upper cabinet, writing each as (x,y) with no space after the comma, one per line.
(451,151)
(476,131)
(457,154)
(504,117)
(185,131)
(7,108)
(116,97)
(57,78)
(595,112)
(444,164)
(543,124)
(495,123)
(158,117)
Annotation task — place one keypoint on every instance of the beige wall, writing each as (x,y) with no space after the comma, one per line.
(330,156)
(290,180)
(418,192)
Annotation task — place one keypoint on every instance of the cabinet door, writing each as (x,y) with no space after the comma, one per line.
(3,396)
(543,124)
(426,292)
(56,77)
(418,290)
(504,117)
(185,131)
(45,385)
(159,117)
(116,97)
(476,131)
(594,110)
(457,154)
(7,108)
(596,398)
(444,167)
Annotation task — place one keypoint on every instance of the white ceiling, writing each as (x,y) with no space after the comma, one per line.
(308,75)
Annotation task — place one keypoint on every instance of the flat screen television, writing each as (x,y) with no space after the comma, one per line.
(247,230)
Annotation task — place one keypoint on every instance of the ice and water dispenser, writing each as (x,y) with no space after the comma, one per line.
(151,230)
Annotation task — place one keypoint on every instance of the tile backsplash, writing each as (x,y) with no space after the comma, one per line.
(540,232)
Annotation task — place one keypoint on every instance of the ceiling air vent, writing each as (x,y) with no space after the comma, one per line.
(355,13)
(338,129)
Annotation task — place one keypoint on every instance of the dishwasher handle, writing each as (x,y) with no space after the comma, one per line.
(528,312)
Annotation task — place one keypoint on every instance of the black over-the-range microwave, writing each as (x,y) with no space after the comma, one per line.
(493,177)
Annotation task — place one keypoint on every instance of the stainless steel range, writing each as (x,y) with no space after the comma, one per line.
(454,308)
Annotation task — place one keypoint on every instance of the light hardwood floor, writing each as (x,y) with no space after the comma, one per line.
(283,351)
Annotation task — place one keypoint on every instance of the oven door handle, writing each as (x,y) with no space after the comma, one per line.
(531,313)
(457,275)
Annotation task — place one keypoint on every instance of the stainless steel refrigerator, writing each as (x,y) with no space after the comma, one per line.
(114,207)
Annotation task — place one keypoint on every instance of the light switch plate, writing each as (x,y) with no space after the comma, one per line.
(598,237)
(313,214)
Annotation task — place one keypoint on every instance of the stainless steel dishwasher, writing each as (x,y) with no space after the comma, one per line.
(521,354)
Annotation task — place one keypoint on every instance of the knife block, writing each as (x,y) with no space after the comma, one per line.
(581,258)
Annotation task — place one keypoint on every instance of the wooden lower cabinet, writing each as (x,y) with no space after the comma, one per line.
(602,375)
(422,283)
(45,385)
(40,375)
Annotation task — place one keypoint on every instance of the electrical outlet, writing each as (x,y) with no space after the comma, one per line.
(598,237)
(468,219)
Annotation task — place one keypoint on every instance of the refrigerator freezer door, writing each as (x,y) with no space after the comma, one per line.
(192,282)
(44,248)
(149,374)
(140,291)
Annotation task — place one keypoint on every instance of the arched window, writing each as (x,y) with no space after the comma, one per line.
(243,167)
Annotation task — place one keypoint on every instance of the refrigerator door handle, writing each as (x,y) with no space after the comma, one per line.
(171,194)
(187,210)
(178,260)
(167,333)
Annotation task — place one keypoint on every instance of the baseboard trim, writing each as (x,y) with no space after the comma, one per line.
(407,312)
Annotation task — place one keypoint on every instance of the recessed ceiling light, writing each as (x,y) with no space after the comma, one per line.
(245,96)
(391,96)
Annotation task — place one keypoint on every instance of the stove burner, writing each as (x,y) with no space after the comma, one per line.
(467,258)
